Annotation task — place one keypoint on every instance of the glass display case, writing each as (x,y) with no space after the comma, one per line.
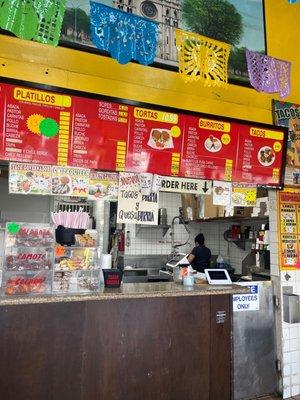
(77,270)
(28,259)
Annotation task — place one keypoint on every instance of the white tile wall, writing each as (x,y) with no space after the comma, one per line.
(150,241)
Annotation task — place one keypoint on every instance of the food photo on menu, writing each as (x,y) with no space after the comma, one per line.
(213,144)
(160,139)
(61,185)
(266,156)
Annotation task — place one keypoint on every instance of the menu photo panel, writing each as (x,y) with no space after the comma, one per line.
(155,141)
(209,149)
(260,155)
(99,134)
(36,125)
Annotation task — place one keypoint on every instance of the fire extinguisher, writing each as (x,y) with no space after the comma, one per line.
(121,241)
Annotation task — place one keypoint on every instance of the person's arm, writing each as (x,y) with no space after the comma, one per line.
(191,258)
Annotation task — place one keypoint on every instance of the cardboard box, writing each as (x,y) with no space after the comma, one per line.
(190,207)
(243,212)
(210,210)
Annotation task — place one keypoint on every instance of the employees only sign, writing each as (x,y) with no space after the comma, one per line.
(246,301)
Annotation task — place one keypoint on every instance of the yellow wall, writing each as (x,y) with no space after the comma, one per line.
(67,68)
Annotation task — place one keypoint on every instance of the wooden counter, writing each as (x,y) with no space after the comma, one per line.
(153,341)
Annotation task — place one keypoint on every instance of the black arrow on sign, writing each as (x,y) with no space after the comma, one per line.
(205,189)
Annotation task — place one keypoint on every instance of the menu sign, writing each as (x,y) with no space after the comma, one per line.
(259,157)
(289,229)
(209,149)
(288,115)
(45,127)
(99,134)
(231,151)
(154,143)
(133,207)
(36,125)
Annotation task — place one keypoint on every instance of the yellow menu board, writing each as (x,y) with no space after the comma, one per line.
(289,229)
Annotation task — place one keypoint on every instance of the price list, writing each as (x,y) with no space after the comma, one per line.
(259,155)
(36,126)
(209,149)
(155,141)
(99,135)
(289,229)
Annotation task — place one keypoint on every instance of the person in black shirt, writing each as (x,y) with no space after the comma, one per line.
(200,255)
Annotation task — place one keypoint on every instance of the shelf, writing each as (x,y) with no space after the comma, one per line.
(164,228)
(76,270)
(225,219)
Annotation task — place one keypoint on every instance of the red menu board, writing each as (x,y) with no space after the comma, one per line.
(36,125)
(209,149)
(2,105)
(155,141)
(45,127)
(99,135)
(259,155)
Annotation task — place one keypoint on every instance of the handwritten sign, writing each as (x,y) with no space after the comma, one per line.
(133,207)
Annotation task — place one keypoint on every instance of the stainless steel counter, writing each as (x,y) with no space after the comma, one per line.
(131,290)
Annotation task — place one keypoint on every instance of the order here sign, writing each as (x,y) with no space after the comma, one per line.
(247,301)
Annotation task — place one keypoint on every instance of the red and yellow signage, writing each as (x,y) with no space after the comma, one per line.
(289,229)
(154,141)
(45,127)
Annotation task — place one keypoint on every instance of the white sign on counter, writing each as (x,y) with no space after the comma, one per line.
(185,185)
(133,207)
(246,301)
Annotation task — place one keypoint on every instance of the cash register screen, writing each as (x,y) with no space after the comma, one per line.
(217,275)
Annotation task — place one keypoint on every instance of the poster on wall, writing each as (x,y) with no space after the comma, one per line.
(133,207)
(103,185)
(289,229)
(288,115)
(245,19)
(243,195)
(36,125)
(222,193)
(68,181)
(29,179)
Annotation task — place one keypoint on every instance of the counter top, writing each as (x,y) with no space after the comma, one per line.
(130,290)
